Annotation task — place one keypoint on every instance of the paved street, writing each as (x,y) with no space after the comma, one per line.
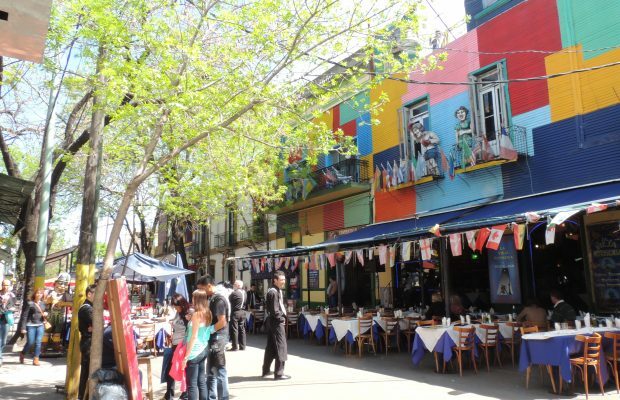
(317,372)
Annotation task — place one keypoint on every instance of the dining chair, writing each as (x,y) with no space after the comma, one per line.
(490,341)
(465,345)
(365,334)
(427,322)
(514,341)
(259,320)
(391,330)
(146,334)
(614,358)
(589,358)
(531,328)
(292,320)
(409,331)
(328,325)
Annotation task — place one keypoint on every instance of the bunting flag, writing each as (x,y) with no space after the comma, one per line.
(506,149)
(287,263)
(405,251)
(321,261)
(393,252)
(412,176)
(397,179)
(471,239)
(386,178)
(347,256)
(307,186)
(312,261)
(444,161)
(595,207)
(562,216)
(435,230)
(360,256)
(404,171)
(390,175)
(550,234)
(295,263)
(496,236)
(481,238)
(518,231)
(255,265)
(455,244)
(331,257)
(383,254)
(279,262)
(532,217)
(371,253)
(426,248)
(262,264)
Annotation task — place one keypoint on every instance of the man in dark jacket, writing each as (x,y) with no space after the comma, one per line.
(237,316)
(275,320)
(85,326)
(562,311)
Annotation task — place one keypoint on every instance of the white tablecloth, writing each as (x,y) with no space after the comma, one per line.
(342,326)
(313,320)
(566,332)
(402,323)
(430,335)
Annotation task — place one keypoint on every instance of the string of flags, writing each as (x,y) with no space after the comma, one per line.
(476,239)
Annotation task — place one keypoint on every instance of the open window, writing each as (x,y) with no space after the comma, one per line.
(414,112)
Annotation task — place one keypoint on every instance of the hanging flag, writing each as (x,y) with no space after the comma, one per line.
(331,257)
(482,237)
(420,170)
(471,239)
(295,263)
(405,251)
(307,186)
(386,178)
(532,217)
(322,261)
(496,236)
(518,231)
(506,149)
(455,244)
(595,207)
(404,171)
(435,230)
(426,248)
(562,216)
(347,256)
(550,234)
(371,253)
(287,263)
(312,261)
(398,177)
(360,256)
(382,254)
(412,176)
(255,265)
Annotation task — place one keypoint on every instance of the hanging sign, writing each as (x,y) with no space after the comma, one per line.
(504,273)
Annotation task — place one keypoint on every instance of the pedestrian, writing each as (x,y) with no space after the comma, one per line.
(275,321)
(199,330)
(217,377)
(33,326)
(237,316)
(7,307)
(85,326)
(179,327)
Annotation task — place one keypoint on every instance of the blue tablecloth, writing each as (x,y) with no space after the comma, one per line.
(444,345)
(319,332)
(556,351)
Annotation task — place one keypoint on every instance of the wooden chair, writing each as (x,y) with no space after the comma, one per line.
(490,341)
(511,343)
(614,358)
(146,334)
(465,345)
(590,358)
(259,320)
(365,334)
(391,330)
(292,320)
(328,325)
(427,322)
(409,332)
(528,327)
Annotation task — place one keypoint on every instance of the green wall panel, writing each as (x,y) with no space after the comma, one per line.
(354,108)
(357,210)
(593,24)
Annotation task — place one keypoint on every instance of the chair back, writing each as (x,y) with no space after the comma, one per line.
(364,325)
(466,336)
(515,327)
(528,329)
(146,331)
(491,332)
(328,319)
(591,346)
(292,318)
(390,324)
(259,315)
(427,322)
(615,348)
(411,323)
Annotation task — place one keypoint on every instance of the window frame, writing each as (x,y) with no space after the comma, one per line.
(404,119)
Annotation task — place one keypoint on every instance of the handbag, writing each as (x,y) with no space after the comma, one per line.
(177,372)
(46,324)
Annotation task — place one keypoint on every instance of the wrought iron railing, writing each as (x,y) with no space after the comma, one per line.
(477,149)
(224,240)
(252,232)
(344,172)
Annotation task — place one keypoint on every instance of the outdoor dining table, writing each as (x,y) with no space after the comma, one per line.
(313,323)
(554,348)
(344,328)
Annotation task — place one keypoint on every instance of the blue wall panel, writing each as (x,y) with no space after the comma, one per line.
(364,135)
(386,156)
(567,156)
(532,119)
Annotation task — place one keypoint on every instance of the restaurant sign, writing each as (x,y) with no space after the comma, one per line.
(604,242)
(504,273)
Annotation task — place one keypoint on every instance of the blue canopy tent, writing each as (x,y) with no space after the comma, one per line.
(140,268)
(174,285)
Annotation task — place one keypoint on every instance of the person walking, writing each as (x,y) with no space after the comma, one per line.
(7,307)
(33,326)
(179,329)
(237,316)
(275,321)
(217,377)
(199,330)
(85,326)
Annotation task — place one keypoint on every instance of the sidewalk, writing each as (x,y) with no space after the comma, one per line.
(317,372)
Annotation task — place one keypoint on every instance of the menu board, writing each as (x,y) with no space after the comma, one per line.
(604,240)
(313,279)
(504,273)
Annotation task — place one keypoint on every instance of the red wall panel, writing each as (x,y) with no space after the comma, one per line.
(350,128)
(531,25)
(395,204)
(333,216)
(336,117)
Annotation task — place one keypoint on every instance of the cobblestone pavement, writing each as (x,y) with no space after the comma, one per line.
(317,373)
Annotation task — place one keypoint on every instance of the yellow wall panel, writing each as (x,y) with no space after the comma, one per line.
(326,118)
(280,243)
(584,92)
(386,134)
(385,277)
(318,296)
(309,240)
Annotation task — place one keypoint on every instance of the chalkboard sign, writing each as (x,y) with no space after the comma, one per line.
(604,242)
(504,273)
(313,279)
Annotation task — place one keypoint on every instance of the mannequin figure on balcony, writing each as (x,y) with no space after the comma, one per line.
(430,149)
(465,140)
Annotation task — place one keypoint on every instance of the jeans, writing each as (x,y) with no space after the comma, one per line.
(217,382)
(35,336)
(4,331)
(195,377)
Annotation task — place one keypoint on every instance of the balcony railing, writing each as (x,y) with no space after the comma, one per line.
(478,150)
(342,173)
(253,232)
(224,240)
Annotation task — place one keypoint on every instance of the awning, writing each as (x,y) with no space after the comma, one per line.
(142,268)
(14,192)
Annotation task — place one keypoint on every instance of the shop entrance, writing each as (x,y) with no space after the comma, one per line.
(357,286)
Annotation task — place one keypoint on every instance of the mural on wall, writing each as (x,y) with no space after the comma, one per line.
(425,151)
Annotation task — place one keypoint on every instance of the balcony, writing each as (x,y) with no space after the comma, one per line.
(252,233)
(343,179)
(482,154)
(224,240)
